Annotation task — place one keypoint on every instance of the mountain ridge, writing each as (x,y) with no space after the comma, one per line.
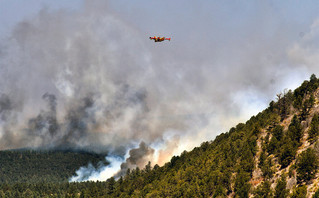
(274,154)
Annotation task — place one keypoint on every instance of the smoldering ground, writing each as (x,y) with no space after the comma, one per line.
(88,78)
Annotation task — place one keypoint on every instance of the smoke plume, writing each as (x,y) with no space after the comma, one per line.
(89,79)
(138,157)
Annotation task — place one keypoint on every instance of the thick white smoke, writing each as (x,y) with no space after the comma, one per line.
(101,173)
(89,79)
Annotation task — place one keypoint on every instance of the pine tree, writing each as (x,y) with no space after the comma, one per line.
(287,153)
(263,190)
(307,164)
(306,107)
(295,131)
(111,184)
(299,192)
(242,186)
(280,190)
(314,128)
(278,132)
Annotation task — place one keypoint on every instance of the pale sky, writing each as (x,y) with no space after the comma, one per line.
(180,16)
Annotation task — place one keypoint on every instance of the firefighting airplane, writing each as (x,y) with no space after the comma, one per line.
(159,39)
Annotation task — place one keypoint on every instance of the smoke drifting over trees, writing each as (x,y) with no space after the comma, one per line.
(88,79)
(84,83)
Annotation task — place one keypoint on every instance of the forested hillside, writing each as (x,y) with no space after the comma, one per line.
(273,154)
(31,166)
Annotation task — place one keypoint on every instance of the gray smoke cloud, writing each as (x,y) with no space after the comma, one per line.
(98,85)
(88,78)
(138,157)
(45,124)
(5,107)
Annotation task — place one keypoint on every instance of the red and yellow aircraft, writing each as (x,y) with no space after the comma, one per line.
(159,39)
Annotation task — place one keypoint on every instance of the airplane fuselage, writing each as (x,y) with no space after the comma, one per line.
(159,39)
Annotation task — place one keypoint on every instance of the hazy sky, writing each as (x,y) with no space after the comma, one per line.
(83,73)
(202,18)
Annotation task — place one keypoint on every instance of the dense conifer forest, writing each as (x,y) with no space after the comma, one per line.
(274,154)
(33,166)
